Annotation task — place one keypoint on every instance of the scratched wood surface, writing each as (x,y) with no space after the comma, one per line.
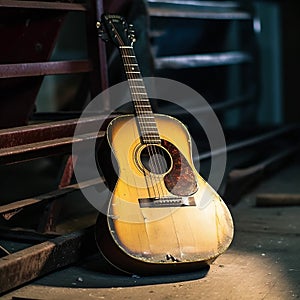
(263,261)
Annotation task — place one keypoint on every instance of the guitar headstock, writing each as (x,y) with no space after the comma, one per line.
(115,28)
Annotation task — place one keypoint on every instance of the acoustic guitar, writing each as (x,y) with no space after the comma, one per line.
(162,216)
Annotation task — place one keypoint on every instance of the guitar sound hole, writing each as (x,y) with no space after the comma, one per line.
(156,159)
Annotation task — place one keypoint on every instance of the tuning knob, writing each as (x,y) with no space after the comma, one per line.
(132,38)
(101,32)
(130,28)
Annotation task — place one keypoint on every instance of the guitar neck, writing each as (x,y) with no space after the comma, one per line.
(145,117)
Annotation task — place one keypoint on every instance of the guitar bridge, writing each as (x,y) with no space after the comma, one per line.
(167,202)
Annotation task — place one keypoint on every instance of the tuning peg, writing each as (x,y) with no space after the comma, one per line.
(104,36)
(101,32)
(132,38)
(130,28)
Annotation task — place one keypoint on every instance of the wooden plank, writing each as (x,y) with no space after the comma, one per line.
(28,236)
(279,199)
(33,262)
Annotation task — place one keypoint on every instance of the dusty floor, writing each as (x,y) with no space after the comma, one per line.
(263,261)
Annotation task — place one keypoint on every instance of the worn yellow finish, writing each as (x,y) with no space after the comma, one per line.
(184,234)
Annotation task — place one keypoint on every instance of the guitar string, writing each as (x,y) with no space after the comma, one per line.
(127,62)
(134,89)
(143,122)
(155,151)
(152,149)
(121,44)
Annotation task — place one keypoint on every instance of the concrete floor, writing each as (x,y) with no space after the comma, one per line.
(263,261)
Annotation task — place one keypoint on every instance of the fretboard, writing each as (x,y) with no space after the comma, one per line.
(145,117)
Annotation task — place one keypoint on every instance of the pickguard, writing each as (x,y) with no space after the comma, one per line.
(181,180)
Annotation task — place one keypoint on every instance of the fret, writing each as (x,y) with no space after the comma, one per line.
(144,126)
(142,100)
(136,86)
(149,123)
(134,90)
(145,117)
(144,110)
(139,90)
(131,65)
(151,136)
(142,113)
(146,129)
(141,105)
(149,132)
(147,112)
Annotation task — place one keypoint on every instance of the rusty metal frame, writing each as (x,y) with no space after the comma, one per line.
(46,139)
(33,133)
(42,5)
(45,68)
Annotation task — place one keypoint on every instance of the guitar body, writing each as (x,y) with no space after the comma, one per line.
(160,218)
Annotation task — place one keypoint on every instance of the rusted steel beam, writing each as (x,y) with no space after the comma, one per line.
(249,142)
(44,148)
(17,205)
(202,60)
(44,68)
(196,3)
(28,264)
(51,212)
(96,50)
(43,5)
(17,136)
(179,12)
